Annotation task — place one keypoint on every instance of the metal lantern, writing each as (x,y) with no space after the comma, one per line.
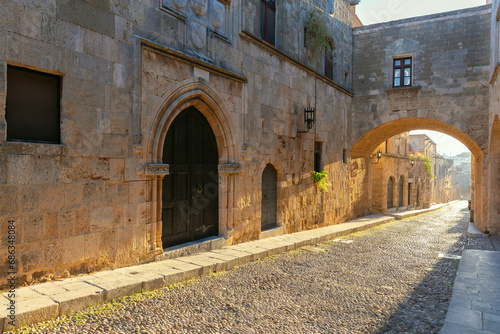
(378,156)
(309,118)
(309,114)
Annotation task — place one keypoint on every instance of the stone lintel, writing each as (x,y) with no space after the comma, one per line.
(156,169)
(230,168)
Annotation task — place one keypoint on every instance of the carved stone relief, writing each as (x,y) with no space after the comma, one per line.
(216,14)
(199,7)
(230,168)
(198,34)
(179,4)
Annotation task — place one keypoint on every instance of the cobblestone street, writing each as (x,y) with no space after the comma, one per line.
(389,279)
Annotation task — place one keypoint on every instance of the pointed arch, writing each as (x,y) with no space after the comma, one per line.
(194,92)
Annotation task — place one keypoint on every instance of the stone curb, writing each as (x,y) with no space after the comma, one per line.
(49,300)
(412,213)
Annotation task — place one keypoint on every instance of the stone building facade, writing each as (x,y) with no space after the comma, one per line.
(170,121)
(447,90)
(443,181)
(390,175)
(138,87)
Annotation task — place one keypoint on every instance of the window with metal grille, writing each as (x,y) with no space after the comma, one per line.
(33,106)
(317,156)
(267,20)
(402,72)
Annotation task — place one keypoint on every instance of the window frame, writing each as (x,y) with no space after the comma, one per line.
(52,118)
(264,29)
(329,61)
(402,68)
(318,150)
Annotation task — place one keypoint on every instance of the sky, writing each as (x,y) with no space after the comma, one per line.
(445,144)
(376,11)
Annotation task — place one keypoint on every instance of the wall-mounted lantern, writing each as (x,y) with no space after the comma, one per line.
(378,156)
(412,162)
(309,118)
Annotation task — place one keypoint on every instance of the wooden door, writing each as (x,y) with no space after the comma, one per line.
(400,190)
(269,205)
(390,193)
(190,198)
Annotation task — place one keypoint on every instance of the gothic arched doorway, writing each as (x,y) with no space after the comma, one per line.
(190,192)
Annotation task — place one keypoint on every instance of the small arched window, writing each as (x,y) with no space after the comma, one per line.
(329,59)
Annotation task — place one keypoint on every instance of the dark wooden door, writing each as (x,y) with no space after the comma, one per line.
(269,205)
(390,193)
(190,192)
(400,190)
(409,194)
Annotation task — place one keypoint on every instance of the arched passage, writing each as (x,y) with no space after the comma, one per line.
(366,144)
(494,177)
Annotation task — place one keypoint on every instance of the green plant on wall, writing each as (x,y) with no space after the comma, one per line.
(317,37)
(427,161)
(321,180)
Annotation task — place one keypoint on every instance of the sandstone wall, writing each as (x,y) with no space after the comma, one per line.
(449,92)
(91,202)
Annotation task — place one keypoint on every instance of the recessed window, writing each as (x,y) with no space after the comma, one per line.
(344,155)
(32,108)
(317,156)
(267,20)
(329,59)
(402,72)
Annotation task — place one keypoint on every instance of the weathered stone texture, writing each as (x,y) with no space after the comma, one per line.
(450,72)
(449,91)
(82,205)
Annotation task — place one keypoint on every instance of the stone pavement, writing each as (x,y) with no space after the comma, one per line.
(475,302)
(49,300)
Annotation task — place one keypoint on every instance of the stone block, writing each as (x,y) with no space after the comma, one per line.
(209,264)
(189,270)
(79,295)
(170,275)
(101,219)
(52,197)
(465,317)
(150,279)
(137,191)
(114,284)
(230,261)
(116,169)
(19,167)
(29,198)
(10,200)
(73,195)
(74,249)
(32,307)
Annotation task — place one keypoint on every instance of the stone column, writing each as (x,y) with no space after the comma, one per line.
(154,175)
(227,198)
